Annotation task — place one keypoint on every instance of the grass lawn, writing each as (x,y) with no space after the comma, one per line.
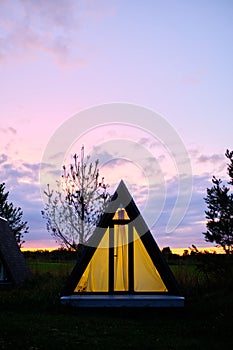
(31,317)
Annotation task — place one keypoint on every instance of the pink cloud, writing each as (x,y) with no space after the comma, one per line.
(48,27)
(28,27)
(210,158)
(8,130)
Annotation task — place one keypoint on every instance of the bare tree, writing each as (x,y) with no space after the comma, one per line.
(74,208)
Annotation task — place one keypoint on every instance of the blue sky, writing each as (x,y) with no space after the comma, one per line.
(58,58)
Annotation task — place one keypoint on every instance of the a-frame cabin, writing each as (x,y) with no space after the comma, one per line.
(13,266)
(122,265)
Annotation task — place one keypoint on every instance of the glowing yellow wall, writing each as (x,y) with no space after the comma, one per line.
(96,275)
(146,276)
(121,282)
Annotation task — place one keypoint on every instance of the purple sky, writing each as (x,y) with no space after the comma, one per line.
(58,58)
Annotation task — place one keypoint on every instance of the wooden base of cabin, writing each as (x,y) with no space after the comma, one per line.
(141,300)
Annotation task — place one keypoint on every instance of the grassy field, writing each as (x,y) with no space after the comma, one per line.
(32,318)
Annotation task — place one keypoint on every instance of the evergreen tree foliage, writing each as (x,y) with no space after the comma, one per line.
(75,206)
(13,215)
(219,215)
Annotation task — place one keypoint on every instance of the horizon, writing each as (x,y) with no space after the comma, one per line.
(178,251)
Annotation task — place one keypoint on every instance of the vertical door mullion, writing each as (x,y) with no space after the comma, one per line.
(111,259)
(130,258)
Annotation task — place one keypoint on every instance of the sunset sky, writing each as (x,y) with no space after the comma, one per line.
(59,58)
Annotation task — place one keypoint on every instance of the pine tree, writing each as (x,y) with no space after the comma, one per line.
(13,215)
(219,215)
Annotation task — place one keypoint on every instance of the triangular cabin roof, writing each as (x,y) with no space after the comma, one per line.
(13,267)
(122,256)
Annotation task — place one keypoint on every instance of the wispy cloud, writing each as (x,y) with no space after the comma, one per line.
(3,158)
(213,158)
(9,130)
(21,180)
(192,226)
(195,77)
(15,172)
(29,26)
(210,163)
(51,27)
